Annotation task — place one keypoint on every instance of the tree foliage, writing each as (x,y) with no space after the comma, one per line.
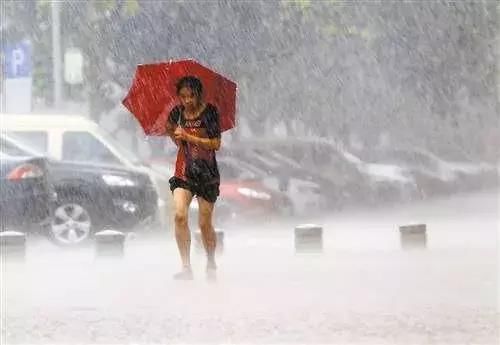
(336,68)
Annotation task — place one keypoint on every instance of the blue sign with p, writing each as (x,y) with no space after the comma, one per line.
(18,62)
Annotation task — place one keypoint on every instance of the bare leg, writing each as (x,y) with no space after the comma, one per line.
(182,200)
(206,210)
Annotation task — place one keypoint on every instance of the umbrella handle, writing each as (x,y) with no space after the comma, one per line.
(183,142)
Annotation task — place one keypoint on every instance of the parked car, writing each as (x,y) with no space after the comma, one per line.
(344,178)
(244,191)
(26,198)
(90,196)
(244,195)
(305,192)
(249,185)
(434,175)
(76,138)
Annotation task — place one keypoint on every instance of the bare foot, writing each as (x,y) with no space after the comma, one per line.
(185,274)
(211,270)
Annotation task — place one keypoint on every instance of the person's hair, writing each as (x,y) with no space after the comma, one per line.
(190,82)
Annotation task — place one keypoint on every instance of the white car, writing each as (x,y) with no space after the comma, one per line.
(434,173)
(380,172)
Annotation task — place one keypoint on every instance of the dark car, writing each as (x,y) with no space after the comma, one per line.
(91,197)
(26,197)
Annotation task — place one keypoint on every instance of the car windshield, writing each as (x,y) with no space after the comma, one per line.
(131,156)
(254,169)
(413,158)
(320,156)
(284,159)
(260,160)
(13,145)
(236,170)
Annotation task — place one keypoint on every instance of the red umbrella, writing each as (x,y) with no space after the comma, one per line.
(153,93)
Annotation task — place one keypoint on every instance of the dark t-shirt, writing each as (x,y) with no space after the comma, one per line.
(206,125)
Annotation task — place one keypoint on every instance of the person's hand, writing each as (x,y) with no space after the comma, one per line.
(180,134)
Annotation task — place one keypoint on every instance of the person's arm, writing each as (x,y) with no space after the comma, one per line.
(213,142)
(171,125)
(170,132)
(206,143)
(212,125)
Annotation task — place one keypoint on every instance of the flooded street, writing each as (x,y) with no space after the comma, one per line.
(363,288)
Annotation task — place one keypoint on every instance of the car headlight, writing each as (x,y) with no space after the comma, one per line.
(114,180)
(252,193)
(127,206)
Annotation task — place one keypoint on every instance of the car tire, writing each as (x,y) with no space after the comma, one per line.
(73,222)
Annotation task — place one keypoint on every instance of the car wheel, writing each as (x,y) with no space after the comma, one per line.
(71,223)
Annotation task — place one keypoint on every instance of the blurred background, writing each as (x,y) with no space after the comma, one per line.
(341,104)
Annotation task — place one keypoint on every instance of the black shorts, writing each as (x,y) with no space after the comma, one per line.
(209,192)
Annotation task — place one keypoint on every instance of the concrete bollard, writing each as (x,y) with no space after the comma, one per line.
(308,238)
(110,243)
(219,249)
(130,236)
(13,245)
(413,236)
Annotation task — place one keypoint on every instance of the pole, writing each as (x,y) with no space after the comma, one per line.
(498,55)
(56,53)
(3,76)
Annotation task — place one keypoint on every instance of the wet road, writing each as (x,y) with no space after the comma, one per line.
(363,289)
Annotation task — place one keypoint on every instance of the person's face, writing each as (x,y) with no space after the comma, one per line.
(188,98)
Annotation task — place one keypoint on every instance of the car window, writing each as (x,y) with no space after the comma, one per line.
(261,160)
(416,159)
(15,146)
(322,155)
(117,146)
(9,149)
(233,172)
(226,171)
(38,139)
(284,159)
(324,160)
(84,147)
(309,155)
(294,152)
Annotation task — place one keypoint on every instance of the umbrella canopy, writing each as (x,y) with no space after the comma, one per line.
(153,93)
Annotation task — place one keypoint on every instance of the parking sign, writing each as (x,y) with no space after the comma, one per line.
(17,68)
(18,63)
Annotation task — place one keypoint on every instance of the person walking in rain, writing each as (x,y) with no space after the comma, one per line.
(194,127)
